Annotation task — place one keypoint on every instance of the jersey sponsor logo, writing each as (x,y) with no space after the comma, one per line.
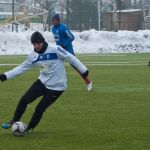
(41,57)
(47,56)
(62,51)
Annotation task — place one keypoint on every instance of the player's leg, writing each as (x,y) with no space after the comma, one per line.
(49,97)
(36,90)
(85,78)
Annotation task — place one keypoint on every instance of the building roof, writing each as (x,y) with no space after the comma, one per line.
(128,10)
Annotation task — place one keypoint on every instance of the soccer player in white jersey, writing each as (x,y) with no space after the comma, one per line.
(51,82)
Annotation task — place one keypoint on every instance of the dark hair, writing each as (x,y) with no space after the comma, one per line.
(37,37)
(56,16)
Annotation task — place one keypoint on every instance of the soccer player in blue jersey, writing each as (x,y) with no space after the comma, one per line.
(51,82)
(63,37)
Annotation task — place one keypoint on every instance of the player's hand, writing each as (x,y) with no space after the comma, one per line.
(3,77)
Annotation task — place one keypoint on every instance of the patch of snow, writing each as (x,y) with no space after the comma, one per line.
(91,41)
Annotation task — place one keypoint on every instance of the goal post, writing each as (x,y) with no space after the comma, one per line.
(27,17)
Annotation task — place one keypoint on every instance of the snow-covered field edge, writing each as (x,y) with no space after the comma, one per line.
(92,41)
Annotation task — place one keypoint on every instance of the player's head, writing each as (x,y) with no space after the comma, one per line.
(56,20)
(37,40)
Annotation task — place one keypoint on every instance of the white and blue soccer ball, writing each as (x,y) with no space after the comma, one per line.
(19,128)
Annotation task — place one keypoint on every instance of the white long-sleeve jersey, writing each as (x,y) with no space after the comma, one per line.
(51,64)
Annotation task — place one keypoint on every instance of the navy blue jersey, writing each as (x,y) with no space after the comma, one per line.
(63,37)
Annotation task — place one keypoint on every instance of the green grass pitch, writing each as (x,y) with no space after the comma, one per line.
(115,115)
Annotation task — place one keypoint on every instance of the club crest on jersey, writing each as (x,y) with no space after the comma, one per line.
(41,57)
(48,56)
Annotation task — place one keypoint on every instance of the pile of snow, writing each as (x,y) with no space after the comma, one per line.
(112,42)
(91,41)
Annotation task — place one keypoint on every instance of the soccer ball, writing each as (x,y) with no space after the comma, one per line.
(19,128)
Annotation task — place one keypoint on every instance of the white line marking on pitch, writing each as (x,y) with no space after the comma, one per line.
(9,64)
(115,62)
(12,57)
(100,55)
(130,63)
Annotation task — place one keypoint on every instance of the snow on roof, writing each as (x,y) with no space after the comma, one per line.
(131,10)
(128,10)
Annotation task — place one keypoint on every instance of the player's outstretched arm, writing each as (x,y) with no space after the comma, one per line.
(26,65)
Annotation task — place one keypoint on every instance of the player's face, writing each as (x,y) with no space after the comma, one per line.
(55,22)
(38,46)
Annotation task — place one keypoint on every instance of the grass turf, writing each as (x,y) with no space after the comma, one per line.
(114,116)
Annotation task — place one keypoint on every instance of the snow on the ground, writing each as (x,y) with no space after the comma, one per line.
(91,41)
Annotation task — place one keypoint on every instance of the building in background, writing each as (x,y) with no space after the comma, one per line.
(146,14)
(6,9)
(82,14)
(130,19)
